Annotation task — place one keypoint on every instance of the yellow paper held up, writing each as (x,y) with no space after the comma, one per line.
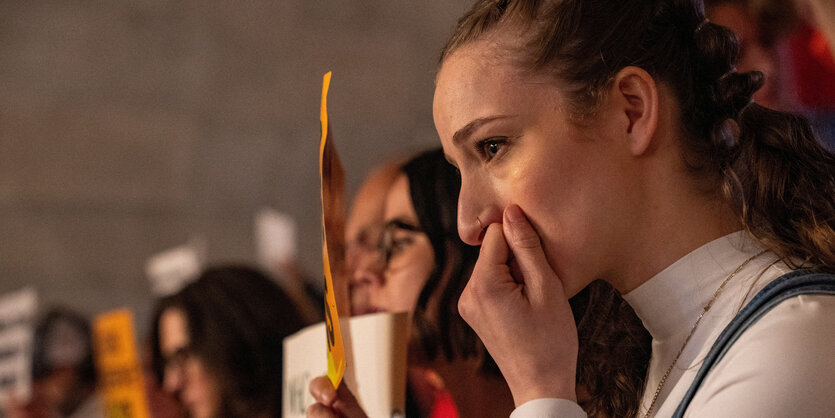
(332,179)
(119,367)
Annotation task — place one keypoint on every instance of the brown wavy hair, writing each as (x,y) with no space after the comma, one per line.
(614,352)
(767,165)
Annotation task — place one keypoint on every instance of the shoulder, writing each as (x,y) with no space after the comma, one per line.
(800,324)
(782,365)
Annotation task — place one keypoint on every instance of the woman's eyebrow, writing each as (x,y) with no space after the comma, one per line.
(468,129)
(402,223)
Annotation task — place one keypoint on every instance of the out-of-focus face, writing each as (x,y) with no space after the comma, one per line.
(362,235)
(754,55)
(408,254)
(509,134)
(186,376)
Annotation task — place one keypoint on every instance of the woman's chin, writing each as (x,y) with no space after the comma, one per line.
(367,311)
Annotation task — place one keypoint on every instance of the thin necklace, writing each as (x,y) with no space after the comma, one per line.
(696,325)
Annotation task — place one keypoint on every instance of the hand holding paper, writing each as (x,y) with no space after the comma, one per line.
(332,402)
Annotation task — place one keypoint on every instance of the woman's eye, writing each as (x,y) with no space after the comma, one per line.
(490,147)
(399,245)
(394,246)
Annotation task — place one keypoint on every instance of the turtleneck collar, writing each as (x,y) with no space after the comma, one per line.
(669,303)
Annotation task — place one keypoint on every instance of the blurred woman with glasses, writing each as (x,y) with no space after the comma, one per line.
(217,343)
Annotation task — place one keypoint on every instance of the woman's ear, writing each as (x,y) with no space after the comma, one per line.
(636,93)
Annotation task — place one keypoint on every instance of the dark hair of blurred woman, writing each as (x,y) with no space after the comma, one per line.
(235,319)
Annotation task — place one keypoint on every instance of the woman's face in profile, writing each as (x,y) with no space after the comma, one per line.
(509,134)
(363,230)
(185,375)
(407,252)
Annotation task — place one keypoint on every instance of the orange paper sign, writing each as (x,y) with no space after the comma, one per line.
(119,367)
(331,176)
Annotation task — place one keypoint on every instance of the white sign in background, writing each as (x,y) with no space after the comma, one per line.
(170,270)
(17,321)
(275,241)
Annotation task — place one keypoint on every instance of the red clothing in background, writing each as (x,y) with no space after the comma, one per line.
(443,407)
(813,68)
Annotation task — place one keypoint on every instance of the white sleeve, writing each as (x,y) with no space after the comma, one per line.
(784,365)
(549,408)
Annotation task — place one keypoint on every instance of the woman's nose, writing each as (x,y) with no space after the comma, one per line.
(474,218)
(470,229)
(368,269)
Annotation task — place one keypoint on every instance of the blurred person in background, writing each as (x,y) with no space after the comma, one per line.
(218,343)
(787,42)
(812,62)
(426,267)
(362,235)
(161,404)
(64,379)
(811,53)
(823,12)
(756,44)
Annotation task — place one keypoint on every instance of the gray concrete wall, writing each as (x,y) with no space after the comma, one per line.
(127,127)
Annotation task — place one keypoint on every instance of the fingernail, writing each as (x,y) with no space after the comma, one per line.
(514,214)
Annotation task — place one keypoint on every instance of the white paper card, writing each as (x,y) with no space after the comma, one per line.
(378,362)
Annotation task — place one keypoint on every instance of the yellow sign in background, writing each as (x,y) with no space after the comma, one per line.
(119,366)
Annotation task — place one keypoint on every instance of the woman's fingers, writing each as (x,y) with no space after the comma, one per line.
(542,284)
(490,271)
(494,252)
(346,404)
(323,391)
(331,402)
(318,410)
(516,304)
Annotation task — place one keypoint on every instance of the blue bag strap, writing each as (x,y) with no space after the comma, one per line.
(800,282)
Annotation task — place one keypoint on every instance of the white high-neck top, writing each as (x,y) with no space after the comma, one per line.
(783,365)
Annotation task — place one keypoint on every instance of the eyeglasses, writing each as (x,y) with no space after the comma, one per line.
(391,244)
(367,240)
(364,247)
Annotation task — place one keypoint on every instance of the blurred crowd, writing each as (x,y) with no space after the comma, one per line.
(790,42)
(215,346)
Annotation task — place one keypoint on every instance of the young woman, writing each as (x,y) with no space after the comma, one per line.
(426,267)
(218,343)
(615,140)
(362,234)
